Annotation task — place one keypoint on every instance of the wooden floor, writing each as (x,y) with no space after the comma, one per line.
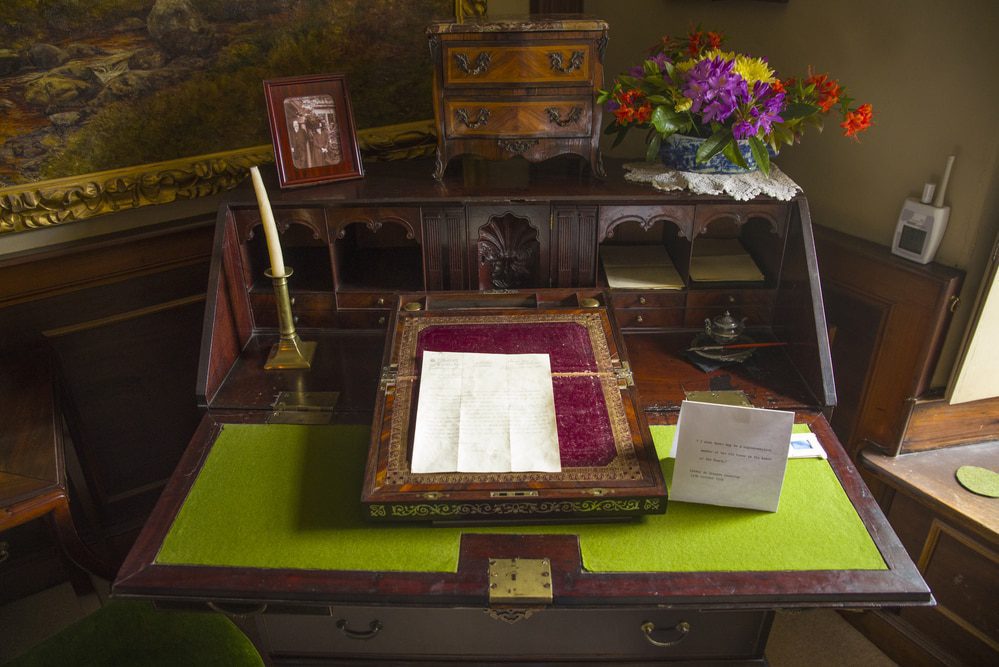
(814,638)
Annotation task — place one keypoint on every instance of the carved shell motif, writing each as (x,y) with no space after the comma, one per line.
(508,247)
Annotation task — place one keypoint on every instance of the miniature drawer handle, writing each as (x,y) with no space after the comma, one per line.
(481,63)
(648,627)
(558,64)
(373,629)
(380,301)
(381,320)
(555,117)
(479,121)
(639,319)
(642,300)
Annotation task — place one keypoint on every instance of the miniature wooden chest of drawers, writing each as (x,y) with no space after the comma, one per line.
(508,88)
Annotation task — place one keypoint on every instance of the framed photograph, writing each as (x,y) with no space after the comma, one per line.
(312,128)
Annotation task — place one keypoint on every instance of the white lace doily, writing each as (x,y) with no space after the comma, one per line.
(742,187)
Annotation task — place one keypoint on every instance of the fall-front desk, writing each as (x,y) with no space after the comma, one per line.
(263,519)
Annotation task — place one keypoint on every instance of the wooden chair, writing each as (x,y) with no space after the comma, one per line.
(33,480)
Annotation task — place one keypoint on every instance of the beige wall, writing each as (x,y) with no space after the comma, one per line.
(927,66)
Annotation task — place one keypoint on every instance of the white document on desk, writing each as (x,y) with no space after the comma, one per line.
(730,455)
(485,413)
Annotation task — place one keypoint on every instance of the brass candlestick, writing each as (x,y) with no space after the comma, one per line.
(290,351)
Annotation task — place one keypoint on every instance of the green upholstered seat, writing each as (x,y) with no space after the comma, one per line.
(133,633)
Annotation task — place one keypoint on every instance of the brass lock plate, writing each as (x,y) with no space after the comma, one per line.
(303,407)
(520,580)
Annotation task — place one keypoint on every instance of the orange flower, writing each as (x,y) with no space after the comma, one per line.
(714,40)
(857,120)
(624,115)
(778,86)
(643,113)
(827,89)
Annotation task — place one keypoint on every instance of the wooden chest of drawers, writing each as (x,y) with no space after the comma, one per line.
(509,88)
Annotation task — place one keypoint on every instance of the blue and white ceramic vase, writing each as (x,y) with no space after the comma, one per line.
(679,152)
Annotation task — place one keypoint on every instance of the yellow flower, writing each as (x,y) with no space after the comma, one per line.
(753,69)
(684,104)
(718,53)
(684,66)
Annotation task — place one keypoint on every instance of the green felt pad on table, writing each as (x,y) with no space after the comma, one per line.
(288,496)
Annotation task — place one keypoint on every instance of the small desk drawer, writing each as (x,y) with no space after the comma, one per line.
(477,64)
(648,299)
(648,318)
(380,300)
(569,117)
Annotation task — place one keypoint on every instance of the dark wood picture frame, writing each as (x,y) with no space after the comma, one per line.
(312,129)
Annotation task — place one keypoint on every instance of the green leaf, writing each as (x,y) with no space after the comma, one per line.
(652,150)
(760,154)
(621,134)
(603,96)
(612,128)
(798,110)
(657,99)
(628,81)
(714,145)
(734,155)
(650,67)
(666,122)
(670,69)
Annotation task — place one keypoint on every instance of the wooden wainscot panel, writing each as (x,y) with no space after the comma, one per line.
(934,423)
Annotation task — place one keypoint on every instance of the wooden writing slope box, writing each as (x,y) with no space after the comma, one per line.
(518,87)
(609,465)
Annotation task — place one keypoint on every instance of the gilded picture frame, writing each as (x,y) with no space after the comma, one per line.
(70,199)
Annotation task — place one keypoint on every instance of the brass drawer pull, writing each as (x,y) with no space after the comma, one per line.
(558,64)
(555,117)
(373,629)
(639,319)
(642,300)
(648,627)
(481,63)
(479,121)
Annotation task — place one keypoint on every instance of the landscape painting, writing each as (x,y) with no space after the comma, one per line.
(94,85)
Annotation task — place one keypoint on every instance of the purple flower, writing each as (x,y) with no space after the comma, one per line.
(743,129)
(716,91)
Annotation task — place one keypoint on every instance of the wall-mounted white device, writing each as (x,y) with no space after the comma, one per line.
(922,222)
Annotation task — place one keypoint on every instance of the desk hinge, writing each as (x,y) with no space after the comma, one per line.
(625,378)
(390,376)
(303,407)
(520,580)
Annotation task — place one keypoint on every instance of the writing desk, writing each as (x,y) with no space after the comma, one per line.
(307,600)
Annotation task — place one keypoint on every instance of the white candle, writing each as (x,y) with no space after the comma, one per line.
(270,228)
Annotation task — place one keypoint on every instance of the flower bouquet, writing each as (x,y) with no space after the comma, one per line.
(735,104)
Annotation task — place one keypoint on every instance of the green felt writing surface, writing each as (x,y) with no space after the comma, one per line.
(288,496)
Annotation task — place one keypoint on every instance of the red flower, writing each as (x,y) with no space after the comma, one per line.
(778,86)
(714,40)
(857,120)
(643,113)
(694,42)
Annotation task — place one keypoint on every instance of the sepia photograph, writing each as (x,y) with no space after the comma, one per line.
(312,129)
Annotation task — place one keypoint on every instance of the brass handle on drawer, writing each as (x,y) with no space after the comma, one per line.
(642,300)
(479,121)
(555,117)
(380,301)
(381,320)
(373,629)
(481,63)
(639,319)
(558,64)
(648,627)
